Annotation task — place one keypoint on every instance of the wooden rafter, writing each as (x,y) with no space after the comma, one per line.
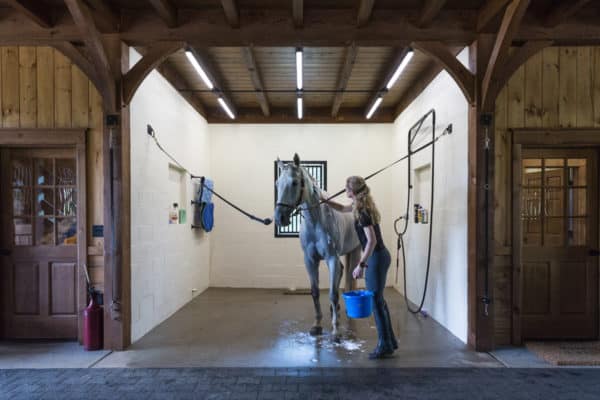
(464,78)
(429,11)
(344,77)
(389,71)
(365,8)
(213,74)
(517,58)
(106,18)
(33,10)
(206,28)
(152,59)
(510,23)
(563,10)
(298,13)
(232,13)
(77,57)
(255,76)
(488,11)
(92,38)
(166,11)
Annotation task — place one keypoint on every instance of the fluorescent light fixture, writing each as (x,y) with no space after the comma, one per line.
(298,68)
(374,107)
(299,106)
(225,107)
(400,68)
(199,69)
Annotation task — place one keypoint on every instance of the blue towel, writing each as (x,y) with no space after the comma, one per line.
(207,194)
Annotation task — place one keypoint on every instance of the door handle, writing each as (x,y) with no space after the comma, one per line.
(5,252)
(594,252)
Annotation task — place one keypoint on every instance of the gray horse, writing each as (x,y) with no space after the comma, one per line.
(325,234)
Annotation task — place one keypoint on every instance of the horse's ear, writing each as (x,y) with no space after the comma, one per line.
(280,165)
(296,160)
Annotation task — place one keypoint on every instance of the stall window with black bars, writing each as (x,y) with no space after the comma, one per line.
(316,169)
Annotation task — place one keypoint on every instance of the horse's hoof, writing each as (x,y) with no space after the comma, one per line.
(337,338)
(316,331)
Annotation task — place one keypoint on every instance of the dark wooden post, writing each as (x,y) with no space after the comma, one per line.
(117,317)
(481,211)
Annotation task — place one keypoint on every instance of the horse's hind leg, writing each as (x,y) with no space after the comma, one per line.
(312,267)
(352,259)
(335,276)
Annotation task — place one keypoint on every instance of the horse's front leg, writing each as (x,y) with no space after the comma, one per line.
(312,267)
(335,276)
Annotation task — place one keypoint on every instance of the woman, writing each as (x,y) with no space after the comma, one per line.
(374,261)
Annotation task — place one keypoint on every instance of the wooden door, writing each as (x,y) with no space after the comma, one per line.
(559,230)
(41,282)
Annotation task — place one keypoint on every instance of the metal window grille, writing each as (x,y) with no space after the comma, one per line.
(316,169)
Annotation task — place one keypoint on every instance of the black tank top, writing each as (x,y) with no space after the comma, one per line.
(364,220)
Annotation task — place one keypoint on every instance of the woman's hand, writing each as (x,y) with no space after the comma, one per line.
(358,272)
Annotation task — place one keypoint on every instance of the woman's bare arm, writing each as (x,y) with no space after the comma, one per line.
(335,205)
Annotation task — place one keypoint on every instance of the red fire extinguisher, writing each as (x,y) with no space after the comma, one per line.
(92,322)
(92,326)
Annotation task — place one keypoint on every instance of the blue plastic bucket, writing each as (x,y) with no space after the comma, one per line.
(359,303)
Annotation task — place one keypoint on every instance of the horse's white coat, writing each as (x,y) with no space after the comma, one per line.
(325,234)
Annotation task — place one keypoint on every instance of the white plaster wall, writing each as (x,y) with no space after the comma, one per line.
(167,261)
(245,253)
(446,297)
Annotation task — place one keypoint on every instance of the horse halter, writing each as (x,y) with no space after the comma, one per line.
(297,201)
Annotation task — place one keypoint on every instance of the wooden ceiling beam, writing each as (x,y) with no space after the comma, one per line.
(343,78)
(232,13)
(464,78)
(154,56)
(389,71)
(107,20)
(510,24)
(562,11)
(207,28)
(220,89)
(298,13)
(77,57)
(166,11)
(488,11)
(429,12)
(85,23)
(365,9)
(34,11)
(312,115)
(255,76)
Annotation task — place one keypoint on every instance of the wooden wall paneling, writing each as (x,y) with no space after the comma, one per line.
(596,86)
(515,100)
(80,107)
(584,101)
(567,106)
(533,91)
(10,87)
(62,91)
(27,87)
(550,86)
(45,87)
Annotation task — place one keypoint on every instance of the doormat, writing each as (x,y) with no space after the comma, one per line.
(567,352)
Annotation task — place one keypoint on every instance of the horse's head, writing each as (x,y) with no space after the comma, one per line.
(290,187)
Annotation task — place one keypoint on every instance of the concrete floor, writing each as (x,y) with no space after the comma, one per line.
(265,328)
(47,354)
